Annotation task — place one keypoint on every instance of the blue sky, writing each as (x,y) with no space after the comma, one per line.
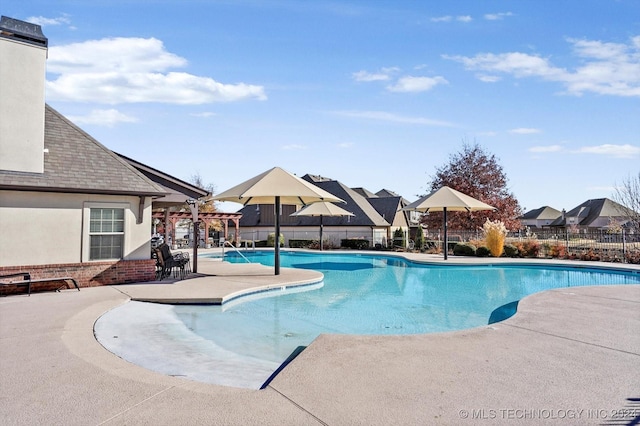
(375,94)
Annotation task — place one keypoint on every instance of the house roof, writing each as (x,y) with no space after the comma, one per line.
(389,207)
(364,213)
(542,213)
(386,193)
(590,210)
(365,192)
(76,162)
(178,191)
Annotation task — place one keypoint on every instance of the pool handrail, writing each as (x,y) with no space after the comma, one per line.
(235,248)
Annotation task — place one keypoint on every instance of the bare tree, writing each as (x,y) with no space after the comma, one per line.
(628,195)
(208,205)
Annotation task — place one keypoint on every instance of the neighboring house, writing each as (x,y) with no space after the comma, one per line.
(390,205)
(376,217)
(412,217)
(600,213)
(68,205)
(540,218)
(258,221)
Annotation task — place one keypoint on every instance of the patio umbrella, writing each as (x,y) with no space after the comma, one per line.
(447,199)
(322,209)
(276,186)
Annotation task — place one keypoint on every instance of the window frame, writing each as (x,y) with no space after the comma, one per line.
(87,232)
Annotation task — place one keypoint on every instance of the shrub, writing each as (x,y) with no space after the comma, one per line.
(532,248)
(478,243)
(271,238)
(398,238)
(262,243)
(464,249)
(483,251)
(528,248)
(510,250)
(495,234)
(354,244)
(633,256)
(558,250)
(419,242)
(301,243)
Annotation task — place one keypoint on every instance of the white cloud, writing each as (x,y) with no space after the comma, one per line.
(449,18)
(382,75)
(345,145)
(497,16)
(205,114)
(42,21)
(525,131)
(518,64)
(127,70)
(604,68)
(103,117)
(442,19)
(545,149)
(610,150)
(488,78)
(387,116)
(293,147)
(416,84)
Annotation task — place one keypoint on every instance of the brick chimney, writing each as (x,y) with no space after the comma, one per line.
(23,53)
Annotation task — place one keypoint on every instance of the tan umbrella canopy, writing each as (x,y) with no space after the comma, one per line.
(322,209)
(276,186)
(447,199)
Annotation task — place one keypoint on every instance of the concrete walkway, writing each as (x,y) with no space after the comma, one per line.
(568,356)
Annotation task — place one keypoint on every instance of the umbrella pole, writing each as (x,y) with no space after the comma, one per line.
(446,242)
(277,239)
(321,248)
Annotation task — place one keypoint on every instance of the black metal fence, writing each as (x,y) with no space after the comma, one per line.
(596,245)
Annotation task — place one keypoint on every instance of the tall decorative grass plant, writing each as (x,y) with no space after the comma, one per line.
(495,234)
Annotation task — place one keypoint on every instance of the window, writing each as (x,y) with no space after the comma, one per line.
(106,233)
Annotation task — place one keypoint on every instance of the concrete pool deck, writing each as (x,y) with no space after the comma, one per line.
(569,355)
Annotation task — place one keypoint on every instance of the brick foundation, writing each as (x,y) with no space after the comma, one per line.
(91,274)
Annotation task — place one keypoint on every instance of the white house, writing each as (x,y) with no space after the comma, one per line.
(68,205)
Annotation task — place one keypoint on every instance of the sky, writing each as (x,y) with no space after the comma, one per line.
(372,93)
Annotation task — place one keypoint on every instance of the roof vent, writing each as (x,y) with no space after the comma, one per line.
(23,31)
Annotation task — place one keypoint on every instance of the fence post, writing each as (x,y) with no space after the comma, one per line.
(624,247)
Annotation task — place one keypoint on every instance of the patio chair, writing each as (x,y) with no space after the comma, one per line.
(168,262)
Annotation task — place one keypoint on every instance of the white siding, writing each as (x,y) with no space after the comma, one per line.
(39,228)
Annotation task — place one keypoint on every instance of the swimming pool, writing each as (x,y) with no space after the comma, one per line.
(362,294)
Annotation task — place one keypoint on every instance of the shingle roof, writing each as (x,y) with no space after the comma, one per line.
(388,207)
(542,213)
(178,191)
(591,210)
(387,193)
(364,192)
(364,213)
(76,162)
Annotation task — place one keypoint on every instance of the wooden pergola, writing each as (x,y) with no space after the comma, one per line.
(171,218)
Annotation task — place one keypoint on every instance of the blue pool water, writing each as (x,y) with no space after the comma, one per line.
(368,294)
(243,342)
